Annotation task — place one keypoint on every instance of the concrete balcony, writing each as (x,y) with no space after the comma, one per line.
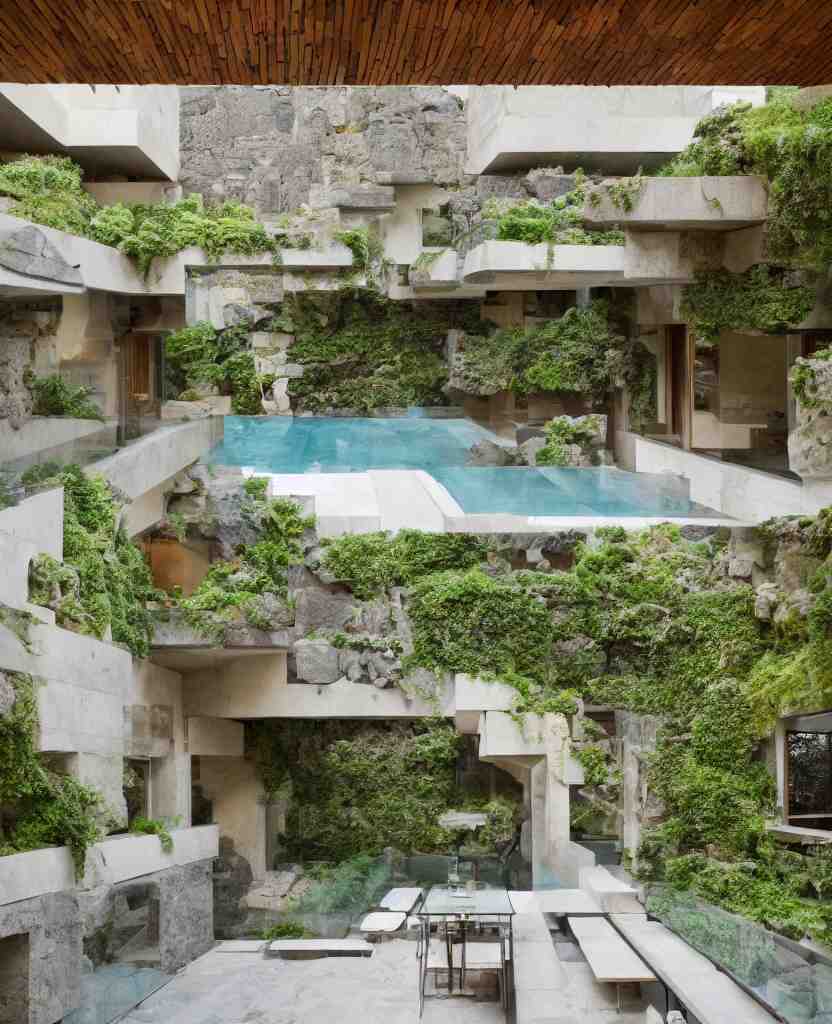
(128,130)
(614,129)
(507,266)
(116,859)
(707,203)
(438,270)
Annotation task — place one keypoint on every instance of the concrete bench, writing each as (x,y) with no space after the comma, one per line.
(403,900)
(312,949)
(610,893)
(383,921)
(709,995)
(608,955)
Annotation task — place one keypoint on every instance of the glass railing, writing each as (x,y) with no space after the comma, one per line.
(792,980)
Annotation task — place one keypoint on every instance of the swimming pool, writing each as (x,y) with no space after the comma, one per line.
(440,447)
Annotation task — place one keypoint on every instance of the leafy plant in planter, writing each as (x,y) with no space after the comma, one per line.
(55,397)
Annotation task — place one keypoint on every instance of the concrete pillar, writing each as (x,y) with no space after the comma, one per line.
(583,297)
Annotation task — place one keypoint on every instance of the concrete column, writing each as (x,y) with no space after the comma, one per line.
(583,297)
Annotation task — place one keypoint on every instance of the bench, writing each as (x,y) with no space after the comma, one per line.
(403,900)
(608,955)
(609,892)
(383,921)
(311,949)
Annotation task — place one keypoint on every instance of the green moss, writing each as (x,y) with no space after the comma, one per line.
(357,787)
(231,588)
(762,298)
(153,827)
(371,562)
(48,190)
(364,352)
(104,581)
(54,397)
(562,431)
(792,149)
(40,807)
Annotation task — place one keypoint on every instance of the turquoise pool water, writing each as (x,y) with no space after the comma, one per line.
(440,447)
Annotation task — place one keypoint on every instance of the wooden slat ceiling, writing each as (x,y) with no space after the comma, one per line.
(374,42)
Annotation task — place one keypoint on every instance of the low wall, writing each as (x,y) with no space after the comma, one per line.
(147,463)
(25,876)
(53,437)
(746,494)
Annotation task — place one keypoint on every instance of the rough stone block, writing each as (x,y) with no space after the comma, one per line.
(186,914)
(29,251)
(317,661)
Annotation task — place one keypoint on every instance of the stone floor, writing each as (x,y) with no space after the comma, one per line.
(241,988)
(244,988)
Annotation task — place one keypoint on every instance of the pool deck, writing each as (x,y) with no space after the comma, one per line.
(391,499)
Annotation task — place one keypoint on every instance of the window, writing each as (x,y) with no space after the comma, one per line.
(809,779)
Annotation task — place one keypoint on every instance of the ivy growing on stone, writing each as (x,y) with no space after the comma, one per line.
(764,298)
(38,807)
(104,581)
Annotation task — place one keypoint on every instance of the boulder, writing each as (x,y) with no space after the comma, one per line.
(489,453)
(319,608)
(810,443)
(28,251)
(766,598)
(527,451)
(234,313)
(317,662)
(271,609)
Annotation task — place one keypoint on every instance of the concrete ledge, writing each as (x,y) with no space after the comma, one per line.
(711,203)
(25,875)
(749,495)
(58,437)
(141,466)
(334,256)
(130,856)
(38,521)
(517,265)
(441,272)
(472,696)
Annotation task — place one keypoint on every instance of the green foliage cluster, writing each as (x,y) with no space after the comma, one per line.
(55,397)
(164,229)
(284,930)
(369,563)
(364,352)
(763,298)
(352,886)
(48,190)
(559,223)
(360,787)
(804,381)
(563,431)
(577,353)
(775,890)
(233,587)
(595,764)
(153,827)
(104,581)
(39,807)
(790,147)
(201,356)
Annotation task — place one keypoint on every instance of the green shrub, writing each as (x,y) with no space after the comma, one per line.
(104,580)
(41,808)
(153,827)
(371,562)
(55,397)
(562,431)
(284,930)
(48,190)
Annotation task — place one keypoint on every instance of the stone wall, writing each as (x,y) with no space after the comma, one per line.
(278,147)
(23,329)
(53,926)
(186,914)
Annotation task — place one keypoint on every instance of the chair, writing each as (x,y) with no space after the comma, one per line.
(492,957)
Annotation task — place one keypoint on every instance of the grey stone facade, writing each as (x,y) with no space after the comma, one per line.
(53,926)
(186,914)
(278,147)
